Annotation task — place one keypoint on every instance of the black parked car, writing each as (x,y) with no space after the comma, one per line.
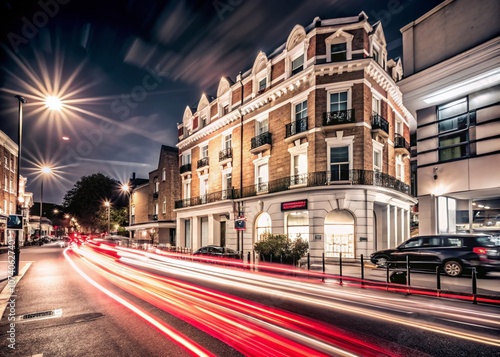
(215,250)
(453,252)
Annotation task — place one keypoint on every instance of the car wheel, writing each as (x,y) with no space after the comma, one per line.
(453,268)
(381,261)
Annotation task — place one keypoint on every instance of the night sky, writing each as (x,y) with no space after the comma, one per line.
(126,70)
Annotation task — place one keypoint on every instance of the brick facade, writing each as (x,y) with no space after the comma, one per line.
(363,78)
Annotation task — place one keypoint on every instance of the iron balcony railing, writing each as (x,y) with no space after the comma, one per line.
(225,154)
(379,122)
(400,142)
(313,179)
(262,139)
(185,168)
(298,126)
(202,162)
(153,217)
(339,117)
(208,198)
(155,195)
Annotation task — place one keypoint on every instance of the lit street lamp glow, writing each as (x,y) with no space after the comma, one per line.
(53,103)
(45,170)
(108,206)
(127,189)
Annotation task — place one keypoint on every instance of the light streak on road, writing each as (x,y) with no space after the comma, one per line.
(270,329)
(183,341)
(250,328)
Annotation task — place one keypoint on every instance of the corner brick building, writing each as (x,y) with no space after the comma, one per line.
(152,203)
(312,141)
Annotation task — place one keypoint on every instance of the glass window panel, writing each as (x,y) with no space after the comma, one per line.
(452,109)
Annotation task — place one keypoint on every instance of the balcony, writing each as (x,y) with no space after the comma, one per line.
(401,146)
(155,195)
(313,179)
(152,217)
(208,198)
(226,154)
(261,142)
(338,120)
(380,126)
(202,163)
(185,168)
(296,130)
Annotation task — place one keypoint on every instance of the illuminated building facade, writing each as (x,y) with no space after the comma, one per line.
(312,142)
(452,88)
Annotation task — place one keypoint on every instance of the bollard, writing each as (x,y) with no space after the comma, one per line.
(362,270)
(308,261)
(408,270)
(271,258)
(340,268)
(248,261)
(474,286)
(281,258)
(438,280)
(387,272)
(323,258)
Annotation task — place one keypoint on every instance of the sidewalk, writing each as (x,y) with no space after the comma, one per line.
(8,286)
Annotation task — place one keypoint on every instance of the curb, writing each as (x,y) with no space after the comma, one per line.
(6,293)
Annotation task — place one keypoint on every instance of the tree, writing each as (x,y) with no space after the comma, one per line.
(85,200)
(278,247)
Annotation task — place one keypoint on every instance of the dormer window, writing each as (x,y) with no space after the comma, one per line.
(376,55)
(262,84)
(298,64)
(225,109)
(339,52)
(203,122)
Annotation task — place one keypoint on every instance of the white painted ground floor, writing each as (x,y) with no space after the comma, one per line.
(351,220)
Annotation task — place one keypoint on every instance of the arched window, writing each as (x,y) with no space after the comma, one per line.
(262,225)
(339,234)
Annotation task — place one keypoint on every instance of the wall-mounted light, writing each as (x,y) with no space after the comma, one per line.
(434,171)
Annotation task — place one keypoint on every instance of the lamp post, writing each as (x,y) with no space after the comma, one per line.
(45,171)
(108,205)
(126,188)
(17,251)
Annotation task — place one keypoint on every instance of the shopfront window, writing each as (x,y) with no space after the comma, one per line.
(339,234)
(297,225)
(262,225)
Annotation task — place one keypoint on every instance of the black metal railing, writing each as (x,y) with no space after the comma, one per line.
(298,126)
(400,142)
(339,117)
(313,179)
(153,217)
(262,139)
(379,122)
(185,168)
(202,162)
(208,198)
(225,154)
(155,195)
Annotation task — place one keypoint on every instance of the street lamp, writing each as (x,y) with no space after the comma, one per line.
(108,205)
(126,188)
(45,171)
(17,251)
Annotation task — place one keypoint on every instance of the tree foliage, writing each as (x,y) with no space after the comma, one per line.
(85,201)
(278,247)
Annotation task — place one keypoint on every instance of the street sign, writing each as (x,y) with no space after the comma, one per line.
(15,221)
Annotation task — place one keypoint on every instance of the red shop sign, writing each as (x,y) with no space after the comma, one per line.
(293,205)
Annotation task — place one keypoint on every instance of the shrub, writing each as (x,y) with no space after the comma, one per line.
(278,247)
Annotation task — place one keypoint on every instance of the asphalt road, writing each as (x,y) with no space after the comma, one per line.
(94,324)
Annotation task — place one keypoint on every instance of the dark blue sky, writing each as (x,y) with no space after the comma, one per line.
(128,69)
